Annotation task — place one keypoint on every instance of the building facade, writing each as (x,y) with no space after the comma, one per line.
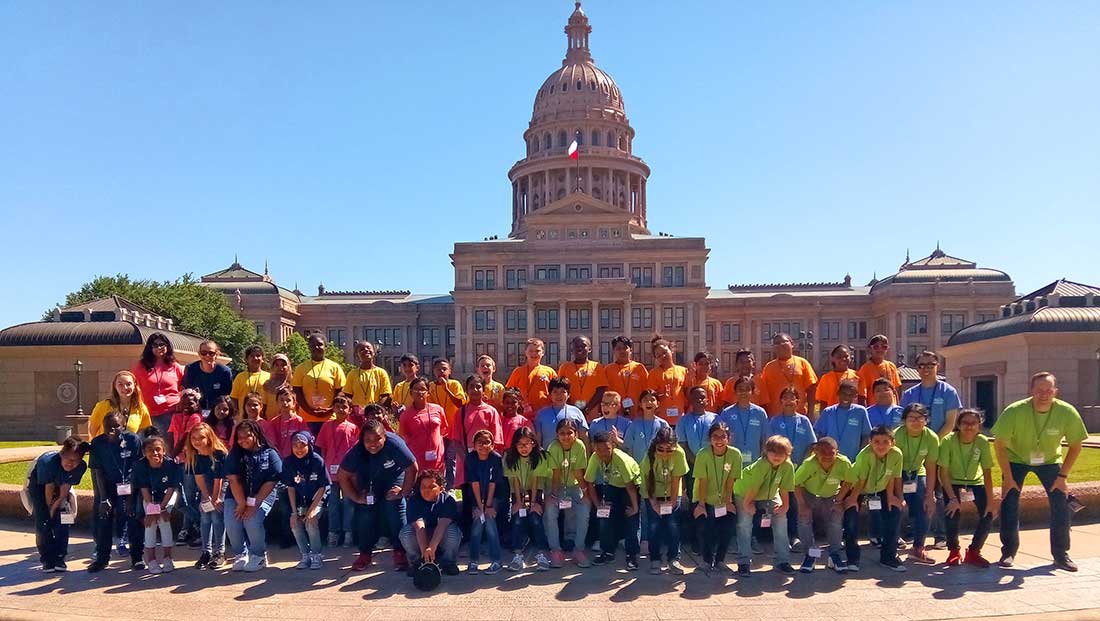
(581,260)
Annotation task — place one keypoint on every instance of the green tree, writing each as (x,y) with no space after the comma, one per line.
(194,308)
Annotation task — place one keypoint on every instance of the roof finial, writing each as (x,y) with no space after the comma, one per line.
(937,244)
(265,268)
(577,31)
(906,255)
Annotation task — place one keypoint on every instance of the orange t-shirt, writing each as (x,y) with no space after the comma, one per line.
(629,380)
(777,375)
(729,392)
(870,372)
(583,380)
(669,384)
(712,385)
(533,384)
(829,385)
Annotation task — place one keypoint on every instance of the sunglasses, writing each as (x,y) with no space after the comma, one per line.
(927,365)
(208,353)
(159,346)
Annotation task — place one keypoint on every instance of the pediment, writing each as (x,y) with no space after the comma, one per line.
(577,203)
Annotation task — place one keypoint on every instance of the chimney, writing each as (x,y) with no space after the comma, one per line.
(1054,300)
(87,314)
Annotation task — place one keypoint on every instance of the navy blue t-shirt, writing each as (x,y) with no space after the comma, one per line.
(431,512)
(376,474)
(115,459)
(157,480)
(486,471)
(212,385)
(48,470)
(254,468)
(210,467)
(306,476)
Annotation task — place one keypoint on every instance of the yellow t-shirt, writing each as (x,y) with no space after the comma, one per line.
(437,394)
(319,382)
(137,420)
(247,382)
(367,386)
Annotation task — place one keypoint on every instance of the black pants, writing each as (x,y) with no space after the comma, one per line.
(889,529)
(689,529)
(717,534)
(104,527)
(618,526)
(51,537)
(1059,511)
(981,530)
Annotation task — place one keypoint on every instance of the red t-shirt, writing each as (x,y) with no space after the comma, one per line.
(181,425)
(160,386)
(509,425)
(422,431)
(476,419)
(279,432)
(335,440)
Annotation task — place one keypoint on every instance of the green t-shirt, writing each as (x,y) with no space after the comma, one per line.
(763,480)
(622,470)
(523,472)
(1019,426)
(662,472)
(716,471)
(915,451)
(877,473)
(567,462)
(815,480)
(966,463)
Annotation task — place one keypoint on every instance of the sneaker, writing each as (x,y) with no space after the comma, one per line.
(893,565)
(154,567)
(655,567)
(137,565)
(472,569)
(675,568)
(920,556)
(183,537)
(168,565)
(542,562)
(975,558)
(195,541)
(875,541)
(204,561)
(349,540)
(256,563)
(316,560)
(603,558)
(743,570)
(122,549)
(557,559)
(755,547)
(451,569)
(97,566)
(785,568)
(902,545)
(807,566)
(361,562)
(517,562)
(853,567)
(334,539)
(304,563)
(1064,563)
(1007,560)
(411,571)
(939,543)
(60,566)
(217,559)
(494,568)
(837,564)
(400,560)
(581,559)
(631,563)
(596,548)
(954,558)
(796,545)
(47,568)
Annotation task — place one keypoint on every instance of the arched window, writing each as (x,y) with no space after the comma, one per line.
(561,139)
(622,144)
(535,144)
(610,139)
(592,85)
(580,85)
(595,139)
(546,142)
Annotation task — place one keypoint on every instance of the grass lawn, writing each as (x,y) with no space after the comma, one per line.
(4,445)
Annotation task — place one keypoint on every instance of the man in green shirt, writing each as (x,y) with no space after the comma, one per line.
(615,497)
(1029,436)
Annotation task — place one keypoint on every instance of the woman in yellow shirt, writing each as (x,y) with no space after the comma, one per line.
(252,379)
(125,399)
(369,382)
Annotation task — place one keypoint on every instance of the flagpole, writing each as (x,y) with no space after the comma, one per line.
(577,137)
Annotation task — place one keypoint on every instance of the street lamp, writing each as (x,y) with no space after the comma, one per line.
(78,366)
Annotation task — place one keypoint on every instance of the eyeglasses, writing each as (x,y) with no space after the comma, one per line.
(665,449)
(159,346)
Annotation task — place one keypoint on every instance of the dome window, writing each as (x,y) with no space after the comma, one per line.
(552,89)
(561,139)
(610,139)
(592,85)
(595,139)
(580,85)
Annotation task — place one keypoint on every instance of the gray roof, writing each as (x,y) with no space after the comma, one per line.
(251,288)
(941,267)
(1064,288)
(1045,319)
(354,299)
(109,303)
(44,333)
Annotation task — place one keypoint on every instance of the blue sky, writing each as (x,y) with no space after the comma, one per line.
(354,143)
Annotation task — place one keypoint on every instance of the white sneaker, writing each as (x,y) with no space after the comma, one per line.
(168,565)
(348,540)
(316,560)
(517,563)
(256,563)
(154,567)
(240,562)
(304,563)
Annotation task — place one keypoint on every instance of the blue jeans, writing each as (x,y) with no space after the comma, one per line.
(915,502)
(340,511)
(307,534)
(851,534)
(744,532)
(576,516)
(618,526)
(253,527)
(383,517)
(489,528)
(189,502)
(51,537)
(446,554)
(530,528)
(212,531)
(664,531)
(1059,511)
(450,461)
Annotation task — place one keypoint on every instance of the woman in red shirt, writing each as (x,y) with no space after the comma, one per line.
(160,378)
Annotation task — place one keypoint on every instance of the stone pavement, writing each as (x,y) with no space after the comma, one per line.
(1031,589)
(24,453)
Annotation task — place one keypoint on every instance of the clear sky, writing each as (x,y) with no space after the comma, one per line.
(353,143)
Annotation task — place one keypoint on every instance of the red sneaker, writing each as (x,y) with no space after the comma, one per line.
(400,561)
(362,562)
(953,557)
(974,557)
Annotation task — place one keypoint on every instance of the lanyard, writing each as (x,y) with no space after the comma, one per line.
(771,482)
(628,375)
(370,381)
(316,375)
(583,374)
(911,465)
(743,425)
(839,429)
(966,463)
(719,472)
(930,401)
(882,471)
(257,384)
(1035,425)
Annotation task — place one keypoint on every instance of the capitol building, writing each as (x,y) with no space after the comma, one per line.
(581,260)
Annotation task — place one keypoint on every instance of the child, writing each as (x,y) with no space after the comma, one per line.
(494,390)
(821,484)
(919,450)
(610,420)
(717,467)
(668,379)
(800,431)
(884,412)
(253,378)
(639,436)
(432,533)
(615,496)
(747,421)
(511,419)
(157,479)
(223,416)
(533,378)
(475,416)
(527,468)
(284,424)
(281,376)
(205,460)
(187,416)
(692,432)
(256,408)
(336,438)
(846,422)
(699,375)
(878,367)
(765,486)
(447,394)
(965,468)
(828,386)
(662,468)
(410,370)
(48,484)
(547,419)
(626,376)
(369,382)
(488,492)
(307,484)
(568,459)
(253,469)
(876,474)
(586,376)
(113,453)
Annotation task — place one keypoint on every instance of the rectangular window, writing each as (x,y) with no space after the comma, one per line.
(512,354)
(710,333)
(485,321)
(611,271)
(731,333)
(980,317)
(451,335)
(727,363)
(857,330)
(641,276)
(578,272)
(918,324)
(515,278)
(605,352)
(485,280)
(385,336)
(548,273)
(830,330)
(611,318)
(672,276)
(546,319)
(429,337)
(579,318)
(552,353)
(672,317)
(515,320)
(337,336)
(951,323)
(489,348)
(641,318)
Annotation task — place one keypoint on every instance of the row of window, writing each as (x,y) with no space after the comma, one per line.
(392,336)
(596,138)
(580,319)
(552,234)
(513,353)
(516,278)
(950,322)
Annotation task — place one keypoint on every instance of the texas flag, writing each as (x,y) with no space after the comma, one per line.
(574,154)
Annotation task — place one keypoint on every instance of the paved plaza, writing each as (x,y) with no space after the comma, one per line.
(1031,589)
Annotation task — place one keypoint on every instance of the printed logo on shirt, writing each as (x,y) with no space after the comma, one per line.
(124,454)
(313,476)
(853,422)
(217,386)
(1054,432)
(544,377)
(389,463)
(754,422)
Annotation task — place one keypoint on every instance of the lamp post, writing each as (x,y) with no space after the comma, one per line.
(78,366)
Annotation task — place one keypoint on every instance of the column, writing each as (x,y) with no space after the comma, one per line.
(530,320)
(596,328)
(463,363)
(547,197)
(527,181)
(500,335)
(703,345)
(628,322)
(588,183)
(460,350)
(692,340)
(562,323)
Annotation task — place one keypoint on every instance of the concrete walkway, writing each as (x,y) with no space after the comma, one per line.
(1033,589)
(24,453)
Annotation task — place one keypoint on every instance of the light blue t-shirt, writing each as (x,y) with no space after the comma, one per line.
(798,429)
(605,425)
(640,434)
(546,421)
(884,416)
(748,427)
(938,399)
(692,430)
(845,425)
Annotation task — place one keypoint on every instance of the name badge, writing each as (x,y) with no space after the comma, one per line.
(68,519)
(720,511)
(318,401)
(122,489)
(1038,458)
(206,413)
(909,487)
(206,506)
(965,495)
(334,468)
(628,403)
(160,399)
(766,521)
(580,403)
(874,504)
(746,458)
(565,503)
(370,499)
(152,508)
(666,509)
(603,512)
(523,512)
(832,481)
(430,455)
(250,501)
(814,552)
(482,518)
(672,412)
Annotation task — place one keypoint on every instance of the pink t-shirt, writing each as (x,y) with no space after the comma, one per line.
(279,432)
(509,425)
(475,419)
(160,386)
(422,431)
(335,440)
(181,425)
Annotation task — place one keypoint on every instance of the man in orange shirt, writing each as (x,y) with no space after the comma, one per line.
(744,366)
(585,376)
(699,375)
(533,378)
(786,369)
(878,366)
(828,387)
(624,375)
